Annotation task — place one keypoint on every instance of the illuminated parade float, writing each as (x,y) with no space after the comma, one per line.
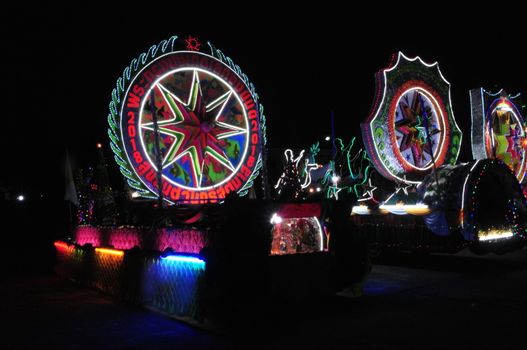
(199,229)
(188,133)
(436,203)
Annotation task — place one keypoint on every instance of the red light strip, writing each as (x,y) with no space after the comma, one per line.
(63,246)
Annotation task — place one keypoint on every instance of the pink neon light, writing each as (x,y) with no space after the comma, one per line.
(88,235)
(182,240)
(124,238)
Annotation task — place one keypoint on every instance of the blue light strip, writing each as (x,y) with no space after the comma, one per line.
(184,258)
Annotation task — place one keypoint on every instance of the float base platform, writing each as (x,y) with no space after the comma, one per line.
(187,288)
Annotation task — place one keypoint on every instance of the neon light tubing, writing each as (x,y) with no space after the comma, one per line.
(62,245)
(184,258)
(109,251)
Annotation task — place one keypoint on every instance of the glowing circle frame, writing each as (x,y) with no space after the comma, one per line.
(211,127)
(383,137)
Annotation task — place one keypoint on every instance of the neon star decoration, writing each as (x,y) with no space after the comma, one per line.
(210,126)
(415,122)
(411,127)
(363,203)
(498,129)
(195,130)
(368,193)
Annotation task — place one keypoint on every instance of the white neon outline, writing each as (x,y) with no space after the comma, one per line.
(463,194)
(368,192)
(188,151)
(492,94)
(441,122)
(238,130)
(335,191)
(289,157)
(309,168)
(321,234)
(297,159)
(225,97)
(399,55)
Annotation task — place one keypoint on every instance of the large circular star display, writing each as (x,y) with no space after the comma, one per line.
(498,129)
(191,117)
(411,127)
(202,125)
(505,137)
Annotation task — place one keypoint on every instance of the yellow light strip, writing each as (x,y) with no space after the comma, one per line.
(109,251)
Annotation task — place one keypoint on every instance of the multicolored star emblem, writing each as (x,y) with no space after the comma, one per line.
(194,130)
(415,123)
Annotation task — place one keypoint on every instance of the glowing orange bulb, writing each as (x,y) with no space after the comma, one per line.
(99,145)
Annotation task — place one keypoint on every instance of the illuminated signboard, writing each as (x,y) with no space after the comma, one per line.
(411,127)
(192,114)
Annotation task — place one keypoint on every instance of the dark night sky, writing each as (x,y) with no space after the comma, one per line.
(62,64)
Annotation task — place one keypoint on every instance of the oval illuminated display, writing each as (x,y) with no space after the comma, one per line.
(505,137)
(411,127)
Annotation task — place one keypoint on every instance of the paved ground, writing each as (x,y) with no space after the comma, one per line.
(432,302)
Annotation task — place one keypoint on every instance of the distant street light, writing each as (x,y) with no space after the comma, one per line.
(99,145)
(20,198)
(327,138)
